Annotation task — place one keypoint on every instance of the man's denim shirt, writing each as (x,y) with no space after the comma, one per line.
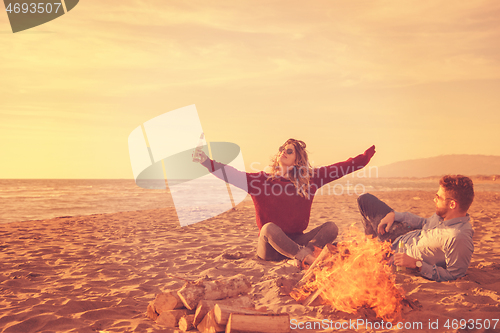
(445,247)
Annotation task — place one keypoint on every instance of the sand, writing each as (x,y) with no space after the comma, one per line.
(97,273)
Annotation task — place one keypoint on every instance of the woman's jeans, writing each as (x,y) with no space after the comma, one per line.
(276,245)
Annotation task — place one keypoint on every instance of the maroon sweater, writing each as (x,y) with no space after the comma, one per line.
(276,200)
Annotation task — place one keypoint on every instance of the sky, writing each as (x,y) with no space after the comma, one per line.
(415,78)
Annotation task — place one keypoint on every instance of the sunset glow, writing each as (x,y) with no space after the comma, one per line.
(417,79)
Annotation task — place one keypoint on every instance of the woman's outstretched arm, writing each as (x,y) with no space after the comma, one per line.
(222,171)
(335,171)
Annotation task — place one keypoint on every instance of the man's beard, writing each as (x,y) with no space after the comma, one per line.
(441,211)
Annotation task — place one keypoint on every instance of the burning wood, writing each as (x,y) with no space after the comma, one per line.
(327,252)
(353,277)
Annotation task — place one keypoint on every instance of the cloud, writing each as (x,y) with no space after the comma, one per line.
(205,43)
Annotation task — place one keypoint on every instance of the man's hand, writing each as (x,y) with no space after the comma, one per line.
(402,259)
(386,223)
(370,152)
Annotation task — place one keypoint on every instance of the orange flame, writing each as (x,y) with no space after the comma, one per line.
(356,277)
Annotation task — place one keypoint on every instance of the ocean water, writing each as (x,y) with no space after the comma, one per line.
(37,199)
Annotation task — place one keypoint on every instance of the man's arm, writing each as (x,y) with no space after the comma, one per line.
(414,221)
(458,254)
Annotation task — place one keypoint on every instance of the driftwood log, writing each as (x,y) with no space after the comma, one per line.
(167,300)
(186,322)
(209,325)
(204,306)
(193,292)
(222,312)
(171,318)
(264,323)
(150,312)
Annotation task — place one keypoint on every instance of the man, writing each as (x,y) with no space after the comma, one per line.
(439,247)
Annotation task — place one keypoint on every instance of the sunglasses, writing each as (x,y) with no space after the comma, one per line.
(289,151)
(437,197)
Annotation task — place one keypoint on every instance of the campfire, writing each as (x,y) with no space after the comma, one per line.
(351,276)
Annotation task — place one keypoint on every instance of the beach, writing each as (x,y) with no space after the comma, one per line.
(97,273)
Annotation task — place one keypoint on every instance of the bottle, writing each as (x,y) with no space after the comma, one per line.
(401,249)
(201,143)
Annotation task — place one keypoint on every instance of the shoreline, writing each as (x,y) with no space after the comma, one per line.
(246,200)
(39,203)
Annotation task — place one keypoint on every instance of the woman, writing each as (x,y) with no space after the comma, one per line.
(283,199)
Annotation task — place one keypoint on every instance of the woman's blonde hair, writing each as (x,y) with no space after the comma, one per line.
(302,170)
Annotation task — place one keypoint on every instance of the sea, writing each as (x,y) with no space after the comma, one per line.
(39,199)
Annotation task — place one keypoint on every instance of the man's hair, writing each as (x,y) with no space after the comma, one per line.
(459,188)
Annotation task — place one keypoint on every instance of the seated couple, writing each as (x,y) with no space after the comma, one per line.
(440,247)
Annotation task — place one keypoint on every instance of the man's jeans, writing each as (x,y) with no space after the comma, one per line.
(373,210)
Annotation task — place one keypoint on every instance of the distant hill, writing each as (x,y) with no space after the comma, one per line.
(470,165)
